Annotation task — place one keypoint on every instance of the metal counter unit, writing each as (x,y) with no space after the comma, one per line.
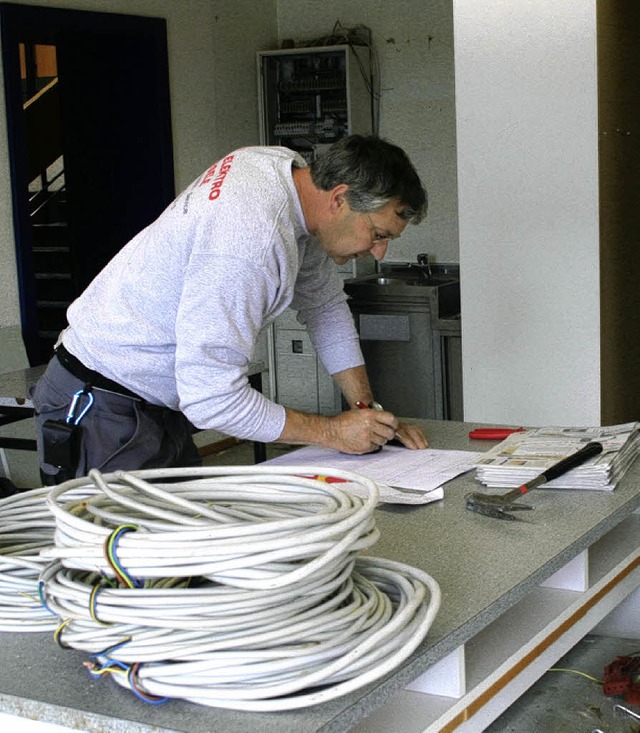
(408,318)
(508,614)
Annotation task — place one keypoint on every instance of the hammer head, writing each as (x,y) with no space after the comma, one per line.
(479,503)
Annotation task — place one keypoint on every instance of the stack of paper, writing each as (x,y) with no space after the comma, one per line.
(524,455)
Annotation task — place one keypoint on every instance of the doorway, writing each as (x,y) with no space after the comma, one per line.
(93,169)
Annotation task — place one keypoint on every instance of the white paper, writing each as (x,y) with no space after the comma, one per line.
(404,476)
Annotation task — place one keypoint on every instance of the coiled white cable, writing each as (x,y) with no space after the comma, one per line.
(285,611)
(317,524)
(26,528)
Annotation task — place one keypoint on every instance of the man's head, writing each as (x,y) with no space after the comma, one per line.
(372,191)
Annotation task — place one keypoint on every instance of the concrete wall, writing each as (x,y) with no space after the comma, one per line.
(526,101)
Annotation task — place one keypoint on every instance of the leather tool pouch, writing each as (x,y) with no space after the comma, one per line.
(61,442)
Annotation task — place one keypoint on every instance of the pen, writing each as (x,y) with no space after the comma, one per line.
(377,406)
(374,406)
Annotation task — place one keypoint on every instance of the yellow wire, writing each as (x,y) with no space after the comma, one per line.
(577,671)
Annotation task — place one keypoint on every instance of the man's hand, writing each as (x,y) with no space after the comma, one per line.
(363,431)
(411,436)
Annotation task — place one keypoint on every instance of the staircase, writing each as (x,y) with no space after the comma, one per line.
(55,287)
(54,284)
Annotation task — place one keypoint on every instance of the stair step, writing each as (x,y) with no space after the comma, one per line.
(51,259)
(48,301)
(52,276)
(58,289)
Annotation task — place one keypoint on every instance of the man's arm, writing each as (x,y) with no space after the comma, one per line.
(354,385)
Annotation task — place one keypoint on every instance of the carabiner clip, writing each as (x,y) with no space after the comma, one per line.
(71,414)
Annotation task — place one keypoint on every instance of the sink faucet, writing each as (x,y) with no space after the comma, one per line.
(424,266)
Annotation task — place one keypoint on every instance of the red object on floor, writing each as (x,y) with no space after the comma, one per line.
(619,679)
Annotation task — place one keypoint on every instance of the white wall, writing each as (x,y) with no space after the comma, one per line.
(526,101)
(414,42)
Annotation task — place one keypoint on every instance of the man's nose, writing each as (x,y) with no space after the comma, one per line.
(379,249)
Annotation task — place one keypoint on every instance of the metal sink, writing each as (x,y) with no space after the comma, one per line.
(409,285)
(425,282)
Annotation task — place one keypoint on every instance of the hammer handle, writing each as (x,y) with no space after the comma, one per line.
(558,469)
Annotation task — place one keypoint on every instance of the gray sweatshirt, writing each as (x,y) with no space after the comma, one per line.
(175,315)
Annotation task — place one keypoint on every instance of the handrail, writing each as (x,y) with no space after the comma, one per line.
(49,197)
(43,129)
(40,93)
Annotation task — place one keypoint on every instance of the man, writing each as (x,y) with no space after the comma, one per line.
(161,339)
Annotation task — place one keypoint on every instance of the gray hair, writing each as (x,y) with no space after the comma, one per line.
(376,172)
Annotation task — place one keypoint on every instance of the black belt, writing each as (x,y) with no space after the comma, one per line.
(74,366)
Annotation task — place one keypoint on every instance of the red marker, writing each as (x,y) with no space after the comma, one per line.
(493,433)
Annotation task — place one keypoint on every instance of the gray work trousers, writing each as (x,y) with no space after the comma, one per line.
(117,432)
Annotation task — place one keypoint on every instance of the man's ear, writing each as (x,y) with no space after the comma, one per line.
(337,198)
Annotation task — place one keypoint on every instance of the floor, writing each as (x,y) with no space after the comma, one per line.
(564,701)
(568,702)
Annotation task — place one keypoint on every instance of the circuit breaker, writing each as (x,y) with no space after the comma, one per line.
(311,97)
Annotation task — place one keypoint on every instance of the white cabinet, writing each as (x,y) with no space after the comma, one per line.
(308,99)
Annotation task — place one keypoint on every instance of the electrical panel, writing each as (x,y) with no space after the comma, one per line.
(311,97)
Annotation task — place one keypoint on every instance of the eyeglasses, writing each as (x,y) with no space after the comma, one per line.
(375,234)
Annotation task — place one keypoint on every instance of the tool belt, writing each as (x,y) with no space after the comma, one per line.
(74,366)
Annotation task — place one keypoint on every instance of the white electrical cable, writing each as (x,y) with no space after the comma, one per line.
(284,612)
(26,527)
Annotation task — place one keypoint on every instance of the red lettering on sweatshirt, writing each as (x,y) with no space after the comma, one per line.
(217,176)
(209,174)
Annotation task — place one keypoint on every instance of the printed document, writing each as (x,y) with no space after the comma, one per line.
(404,476)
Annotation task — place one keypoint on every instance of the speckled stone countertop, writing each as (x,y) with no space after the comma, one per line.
(484,566)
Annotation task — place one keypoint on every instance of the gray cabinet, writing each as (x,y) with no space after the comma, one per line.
(301,380)
(451,351)
(402,356)
(409,326)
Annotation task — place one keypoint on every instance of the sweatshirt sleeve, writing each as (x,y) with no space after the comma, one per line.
(322,307)
(216,330)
